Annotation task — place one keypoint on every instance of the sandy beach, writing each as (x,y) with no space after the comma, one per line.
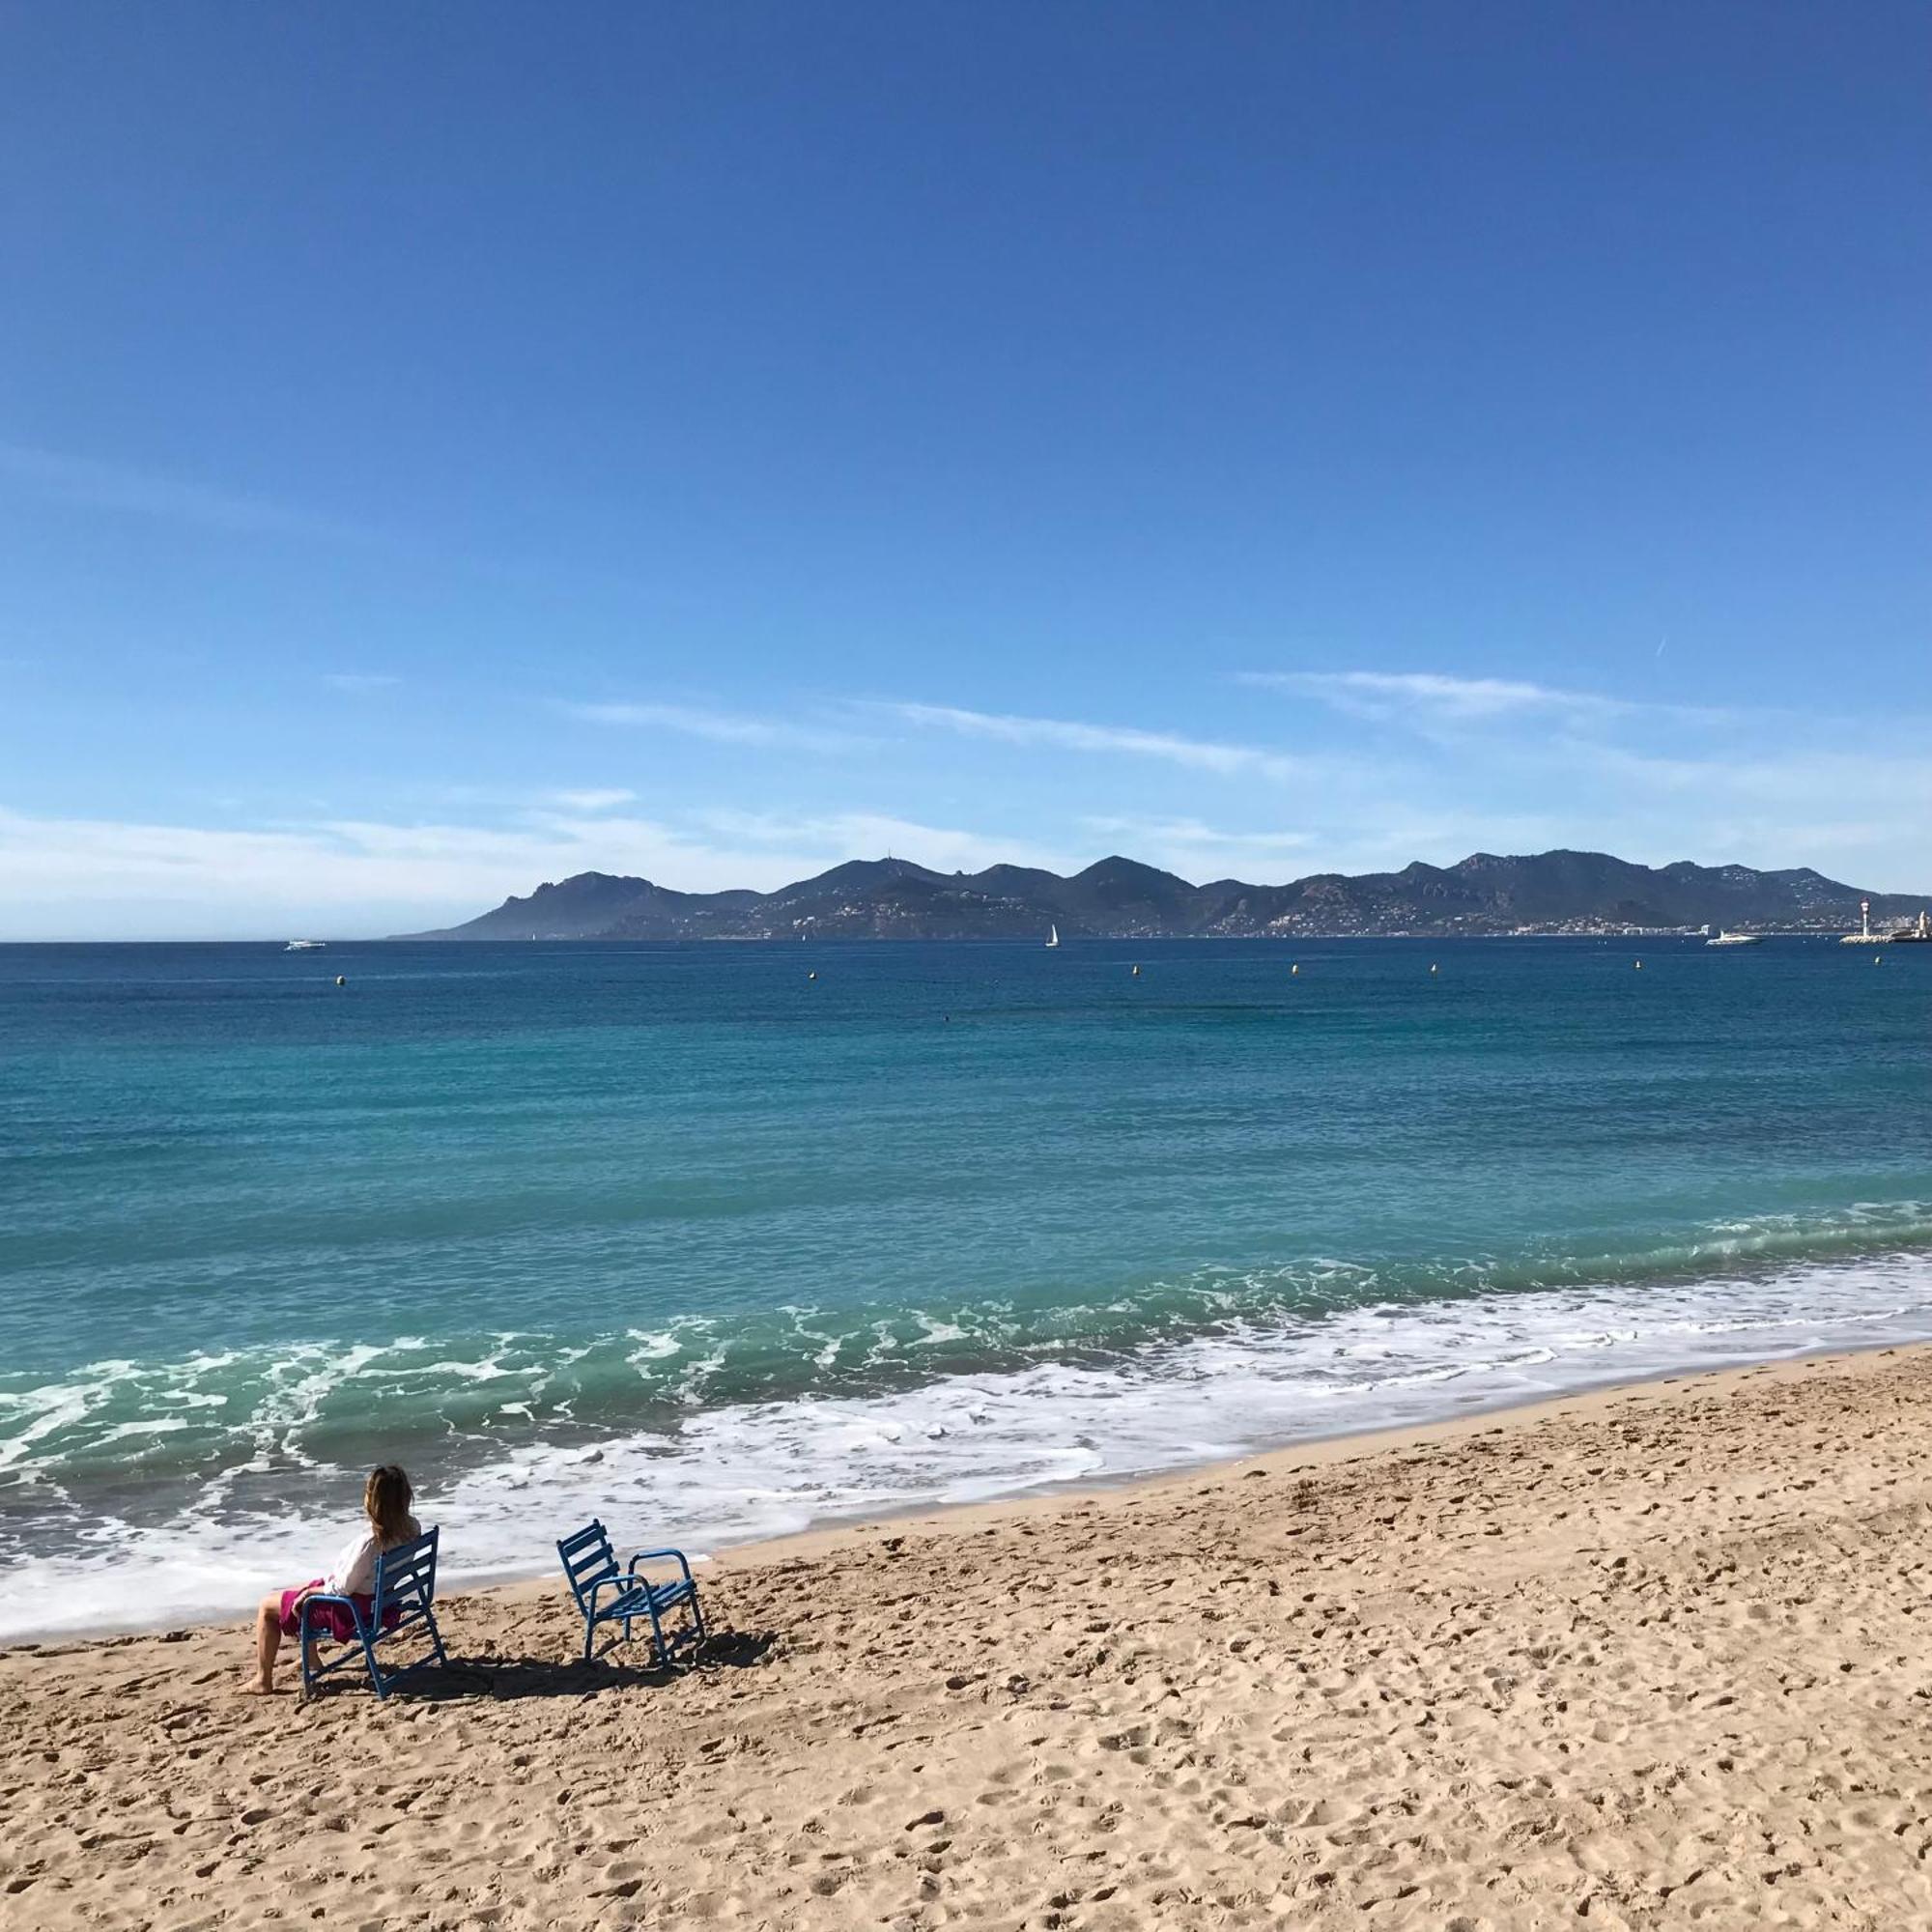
(1652,1658)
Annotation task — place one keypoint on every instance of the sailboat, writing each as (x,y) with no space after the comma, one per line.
(1053,935)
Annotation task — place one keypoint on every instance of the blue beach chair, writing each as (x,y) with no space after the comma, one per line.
(403,1602)
(606,1595)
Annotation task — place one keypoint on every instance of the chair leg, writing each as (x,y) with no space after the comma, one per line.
(590,1634)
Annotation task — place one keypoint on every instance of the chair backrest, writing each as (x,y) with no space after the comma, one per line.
(588,1558)
(405,1575)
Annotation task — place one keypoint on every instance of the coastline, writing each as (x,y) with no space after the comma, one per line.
(1650,1655)
(824,1538)
(1307,1453)
(854,1259)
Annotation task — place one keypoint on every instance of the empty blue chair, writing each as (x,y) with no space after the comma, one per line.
(608,1595)
(403,1604)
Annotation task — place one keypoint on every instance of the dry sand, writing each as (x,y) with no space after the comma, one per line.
(1658,1658)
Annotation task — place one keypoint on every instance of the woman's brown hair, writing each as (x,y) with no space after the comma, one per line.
(386,1498)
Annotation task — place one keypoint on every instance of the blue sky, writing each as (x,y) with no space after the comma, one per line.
(452,446)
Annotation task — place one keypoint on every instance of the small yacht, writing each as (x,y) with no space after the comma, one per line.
(304,946)
(1734,939)
(1053,935)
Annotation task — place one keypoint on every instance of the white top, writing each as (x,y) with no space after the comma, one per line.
(352,1574)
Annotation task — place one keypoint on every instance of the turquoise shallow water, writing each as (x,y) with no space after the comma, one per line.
(686,1237)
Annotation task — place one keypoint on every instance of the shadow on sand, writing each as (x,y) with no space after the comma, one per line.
(505,1678)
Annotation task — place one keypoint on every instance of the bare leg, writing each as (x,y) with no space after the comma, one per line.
(268,1640)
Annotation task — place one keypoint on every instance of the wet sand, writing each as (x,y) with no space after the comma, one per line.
(1652,1658)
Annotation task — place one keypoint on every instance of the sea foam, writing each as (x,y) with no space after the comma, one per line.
(742,1471)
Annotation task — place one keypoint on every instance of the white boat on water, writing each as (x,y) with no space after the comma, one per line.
(1053,935)
(1734,939)
(304,946)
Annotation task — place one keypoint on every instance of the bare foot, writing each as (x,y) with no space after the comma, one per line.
(255,1686)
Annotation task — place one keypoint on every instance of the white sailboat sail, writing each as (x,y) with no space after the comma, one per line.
(1053,935)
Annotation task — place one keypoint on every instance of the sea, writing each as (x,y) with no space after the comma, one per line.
(719,1240)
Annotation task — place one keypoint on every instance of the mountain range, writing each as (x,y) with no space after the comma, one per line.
(893,899)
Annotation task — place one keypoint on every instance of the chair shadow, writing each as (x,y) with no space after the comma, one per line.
(504,1679)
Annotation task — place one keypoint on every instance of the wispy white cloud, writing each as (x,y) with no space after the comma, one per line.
(1372,694)
(1428,701)
(594,799)
(1180,842)
(1789,784)
(859,835)
(82,878)
(1859,819)
(719,727)
(125,490)
(86,483)
(87,878)
(360,681)
(1071,735)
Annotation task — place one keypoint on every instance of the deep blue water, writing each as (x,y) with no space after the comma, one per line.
(713,1245)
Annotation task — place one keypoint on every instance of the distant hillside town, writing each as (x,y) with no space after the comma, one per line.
(1584,892)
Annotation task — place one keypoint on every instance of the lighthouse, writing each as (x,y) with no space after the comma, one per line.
(1865,935)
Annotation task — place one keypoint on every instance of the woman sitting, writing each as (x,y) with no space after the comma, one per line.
(385,1502)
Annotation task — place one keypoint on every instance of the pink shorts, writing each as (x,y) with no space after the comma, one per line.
(330,1620)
